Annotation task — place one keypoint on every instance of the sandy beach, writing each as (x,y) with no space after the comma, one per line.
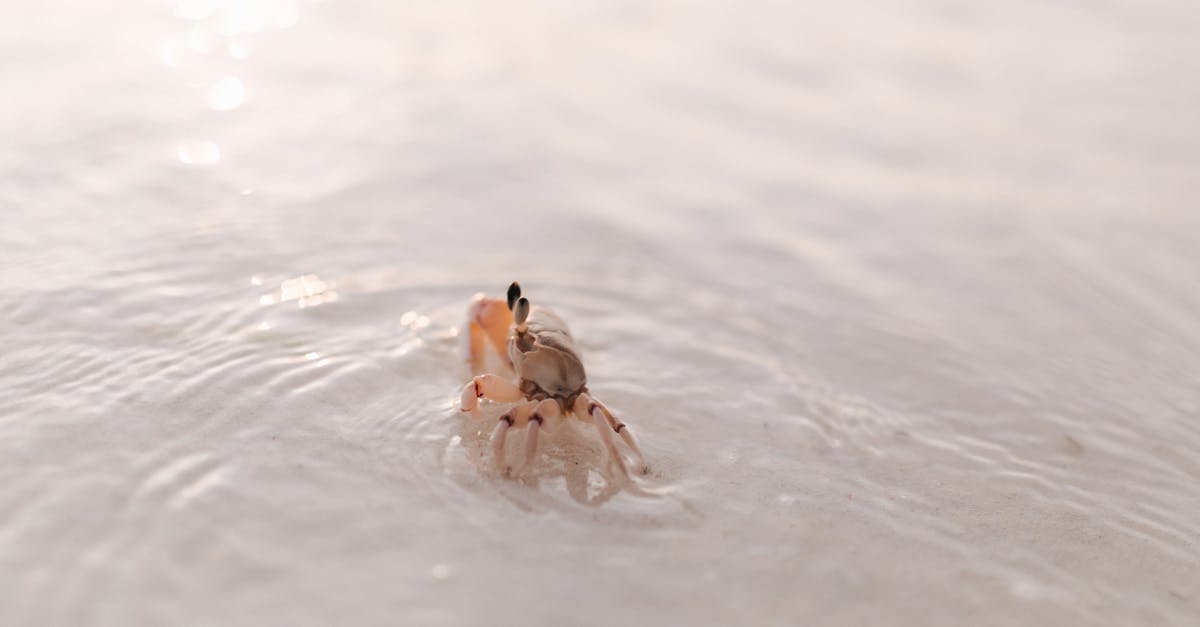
(901,299)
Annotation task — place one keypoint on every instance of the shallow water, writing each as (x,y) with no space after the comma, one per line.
(901,300)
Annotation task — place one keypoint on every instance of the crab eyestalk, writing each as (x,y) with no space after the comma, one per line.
(521,313)
(514,292)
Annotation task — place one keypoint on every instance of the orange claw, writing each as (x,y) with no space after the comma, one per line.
(488,321)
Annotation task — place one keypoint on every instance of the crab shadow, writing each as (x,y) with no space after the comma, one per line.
(578,483)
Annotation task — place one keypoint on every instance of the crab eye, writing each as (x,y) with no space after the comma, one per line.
(521,311)
(514,292)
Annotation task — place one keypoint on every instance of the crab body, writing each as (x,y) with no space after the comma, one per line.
(545,359)
(541,375)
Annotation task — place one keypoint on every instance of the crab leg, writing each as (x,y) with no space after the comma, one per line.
(531,441)
(498,439)
(546,410)
(585,406)
(623,430)
(489,386)
(514,417)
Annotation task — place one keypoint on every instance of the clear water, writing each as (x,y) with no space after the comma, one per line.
(901,299)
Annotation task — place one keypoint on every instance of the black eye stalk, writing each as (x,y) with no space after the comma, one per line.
(514,292)
(519,305)
(521,313)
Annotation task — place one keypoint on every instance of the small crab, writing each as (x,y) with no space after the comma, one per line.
(543,376)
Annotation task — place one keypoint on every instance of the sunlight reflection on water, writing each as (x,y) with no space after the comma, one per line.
(227,94)
(198,152)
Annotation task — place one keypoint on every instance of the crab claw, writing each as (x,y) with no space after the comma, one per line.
(488,322)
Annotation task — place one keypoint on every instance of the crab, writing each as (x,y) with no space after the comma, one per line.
(541,378)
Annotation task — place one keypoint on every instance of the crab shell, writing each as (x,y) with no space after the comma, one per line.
(545,355)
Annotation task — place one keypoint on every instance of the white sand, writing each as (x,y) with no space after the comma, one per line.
(901,300)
